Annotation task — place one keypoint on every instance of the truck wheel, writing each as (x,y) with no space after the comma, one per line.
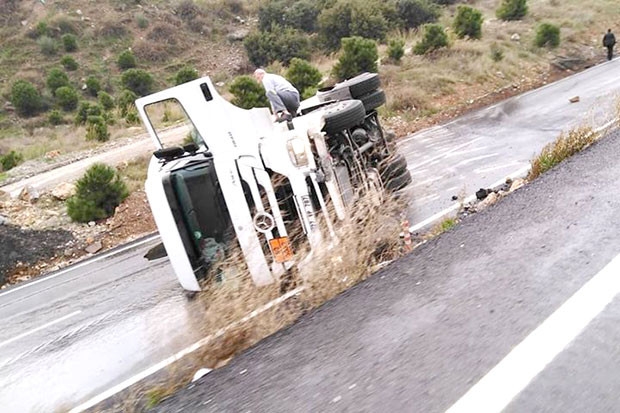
(373,100)
(392,166)
(361,85)
(399,182)
(343,115)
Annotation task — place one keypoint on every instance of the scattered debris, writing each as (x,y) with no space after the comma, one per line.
(516,184)
(29,194)
(94,247)
(63,191)
(574,99)
(515,37)
(490,199)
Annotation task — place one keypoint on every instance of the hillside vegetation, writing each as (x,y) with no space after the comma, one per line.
(70,70)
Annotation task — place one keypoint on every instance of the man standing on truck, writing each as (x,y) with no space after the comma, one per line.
(282,95)
(609,40)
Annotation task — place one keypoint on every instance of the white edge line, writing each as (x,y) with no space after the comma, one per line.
(87,261)
(44,326)
(525,361)
(190,349)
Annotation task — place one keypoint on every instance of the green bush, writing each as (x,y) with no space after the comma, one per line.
(105,100)
(69,42)
(303,75)
(85,110)
(358,55)
(512,9)
(248,93)
(271,13)
(67,98)
(26,98)
(47,45)
(126,60)
(142,21)
(396,50)
(185,75)
(97,129)
(11,160)
(69,63)
(55,117)
(352,19)
(138,81)
(97,195)
(468,22)
(415,13)
(547,35)
(126,102)
(434,38)
(281,44)
(497,54)
(303,15)
(93,86)
(41,29)
(56,78)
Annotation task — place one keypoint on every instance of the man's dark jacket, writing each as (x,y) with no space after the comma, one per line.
(609,39)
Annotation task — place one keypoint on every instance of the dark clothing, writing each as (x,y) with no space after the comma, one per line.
(609,40)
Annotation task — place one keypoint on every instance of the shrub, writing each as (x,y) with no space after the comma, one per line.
(26,98)
(56,78)
(47,45)
(97,129)
(93,86)
(138,81)
(468,22)
(350,19)
(248,93)
(85,110)
(497,54)
(512,9)
(142,21)
(187,10)
(67,98)
(415,13)
(303,15)
(11,160)
(69,42)
(396,49)
(434,38)
(185,75)
(97,194)
(55,117)
(547,35)
(126,102)
(69,63)
(105,100)
(358,55)
(41,29)
(126,60)
(270,14)
(303,75)
(278,44)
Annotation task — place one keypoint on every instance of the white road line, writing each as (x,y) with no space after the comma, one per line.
(477,158)
(506,380)
(79,265)
(442,155)
(496,167)
(44,326)
(188,350)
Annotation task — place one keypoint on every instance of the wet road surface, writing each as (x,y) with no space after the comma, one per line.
(516,308)
(92,326)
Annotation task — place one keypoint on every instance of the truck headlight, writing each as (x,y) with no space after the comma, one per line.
(297,151)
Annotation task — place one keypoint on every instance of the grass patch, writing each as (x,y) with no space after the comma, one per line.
(565,146)
(134,171)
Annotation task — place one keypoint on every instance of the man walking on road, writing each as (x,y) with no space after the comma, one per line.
(609,40)
(282,95)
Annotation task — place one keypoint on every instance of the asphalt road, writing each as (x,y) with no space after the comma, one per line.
(423,332)
(90,327)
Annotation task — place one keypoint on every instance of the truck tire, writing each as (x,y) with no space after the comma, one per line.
(343,115)
(373,100)
(399,182)
(392,166)
(361,85)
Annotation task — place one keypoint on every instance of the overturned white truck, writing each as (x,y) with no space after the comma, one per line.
(222,174)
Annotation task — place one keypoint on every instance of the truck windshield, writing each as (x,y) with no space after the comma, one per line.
(172,125)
